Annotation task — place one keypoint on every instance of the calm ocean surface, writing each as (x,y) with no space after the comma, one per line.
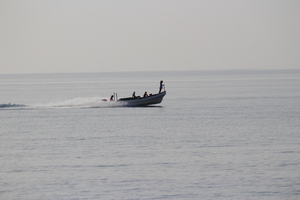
(216,135)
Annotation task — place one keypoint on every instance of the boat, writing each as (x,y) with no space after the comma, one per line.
(146,100)
(143,101)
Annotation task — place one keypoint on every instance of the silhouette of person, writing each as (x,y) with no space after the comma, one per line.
(161,85)
(112,97)
(145,94)
(133,95)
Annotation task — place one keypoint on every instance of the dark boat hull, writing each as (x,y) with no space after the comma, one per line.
(145,101)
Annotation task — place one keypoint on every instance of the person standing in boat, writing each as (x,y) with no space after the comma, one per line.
(112,97)
(133,95)
(161,85)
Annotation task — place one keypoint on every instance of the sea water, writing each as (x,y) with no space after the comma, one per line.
(216,135)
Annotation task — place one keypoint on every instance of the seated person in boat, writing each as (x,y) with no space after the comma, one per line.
(145,94)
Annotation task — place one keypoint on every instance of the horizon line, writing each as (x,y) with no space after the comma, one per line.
(149,71)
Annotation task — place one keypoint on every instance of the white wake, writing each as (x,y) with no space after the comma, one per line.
(80,102)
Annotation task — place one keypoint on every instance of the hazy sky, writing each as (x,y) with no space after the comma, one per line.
(41,36)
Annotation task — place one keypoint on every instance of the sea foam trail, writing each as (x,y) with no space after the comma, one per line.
(91,102)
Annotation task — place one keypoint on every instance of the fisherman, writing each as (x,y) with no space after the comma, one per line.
(112,97)
(161,85)
(145,94)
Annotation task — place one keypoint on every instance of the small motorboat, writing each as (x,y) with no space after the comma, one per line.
(144,101)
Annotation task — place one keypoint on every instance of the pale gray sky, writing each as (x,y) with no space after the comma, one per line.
(46,36)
